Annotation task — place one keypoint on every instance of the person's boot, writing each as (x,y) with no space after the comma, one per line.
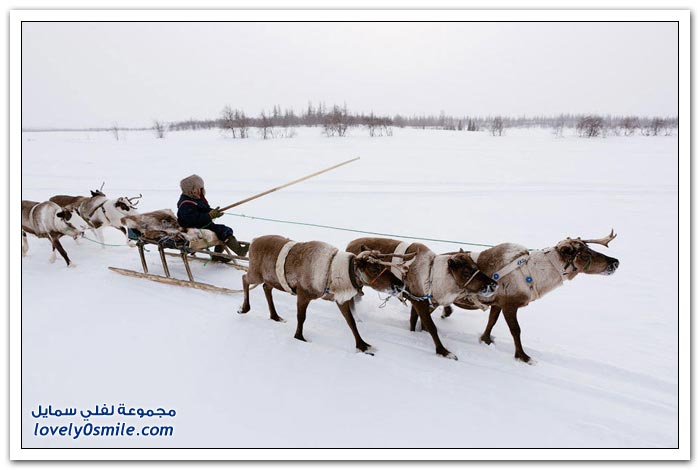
(220,259)
(240,248)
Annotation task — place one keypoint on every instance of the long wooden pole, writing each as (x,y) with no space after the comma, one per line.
(285,185)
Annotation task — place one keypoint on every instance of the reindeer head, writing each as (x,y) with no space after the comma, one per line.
(69,222)
(98,192)
(577,255)
(375,271)
(467,275)
(127,205)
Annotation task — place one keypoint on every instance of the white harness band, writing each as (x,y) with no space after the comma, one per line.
(397,260)
(519,263)
(279,266)
(510,267)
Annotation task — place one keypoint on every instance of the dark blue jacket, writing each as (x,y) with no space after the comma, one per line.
(193,213)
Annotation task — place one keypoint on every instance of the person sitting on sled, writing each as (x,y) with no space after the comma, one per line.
(193,211)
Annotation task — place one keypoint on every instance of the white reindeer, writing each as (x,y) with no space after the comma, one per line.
(99,211)
(49,220)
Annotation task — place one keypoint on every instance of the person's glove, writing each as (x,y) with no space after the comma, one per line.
(215,213)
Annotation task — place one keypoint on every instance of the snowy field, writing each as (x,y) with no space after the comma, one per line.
(605,347)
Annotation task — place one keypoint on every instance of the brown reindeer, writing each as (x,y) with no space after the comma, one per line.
(432,280)
(525,276)
(313,270)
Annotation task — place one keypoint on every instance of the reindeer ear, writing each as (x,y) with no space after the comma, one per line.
(64,214)
(452,263)
(461,250)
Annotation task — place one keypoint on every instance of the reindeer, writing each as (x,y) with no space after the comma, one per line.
(313,270)
(160,224)
(49,220)
(525,276)
(431,280)
(100,212)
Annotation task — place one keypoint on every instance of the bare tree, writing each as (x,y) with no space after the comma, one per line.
(228,121)
(558,128)
(242,123)
(159,129)
(654,127)
(497,126)
(590,126)
(265,128)
(336,122)
(115,130)
(630,124)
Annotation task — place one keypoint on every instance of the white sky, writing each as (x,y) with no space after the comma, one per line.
(95,74)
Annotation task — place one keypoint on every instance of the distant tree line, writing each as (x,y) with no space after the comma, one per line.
(335,120)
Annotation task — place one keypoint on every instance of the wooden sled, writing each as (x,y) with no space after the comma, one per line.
(186,252)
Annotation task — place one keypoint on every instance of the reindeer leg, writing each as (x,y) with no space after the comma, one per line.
(427,321)
(414,318)
(57,246)
(302,303)
(100,237)
(446,311)
(52,258)
(273,312)
(346,310)
(493,317)
(245,308)
(511,316)
(25,244)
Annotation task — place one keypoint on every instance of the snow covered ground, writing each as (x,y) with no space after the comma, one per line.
(606,347)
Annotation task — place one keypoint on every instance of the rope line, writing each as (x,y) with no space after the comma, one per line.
(100,243)
(456,242)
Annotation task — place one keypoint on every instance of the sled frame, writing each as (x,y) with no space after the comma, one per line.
(185,254)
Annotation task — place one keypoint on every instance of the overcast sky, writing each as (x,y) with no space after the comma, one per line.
(95,74)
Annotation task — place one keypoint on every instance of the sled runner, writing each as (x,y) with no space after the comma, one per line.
(188,245)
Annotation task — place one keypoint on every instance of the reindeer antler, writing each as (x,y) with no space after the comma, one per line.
(132,199)
(603,241)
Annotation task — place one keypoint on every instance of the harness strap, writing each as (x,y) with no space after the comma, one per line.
(329,276)
(101,206)
(474,255)
(104,211)
(471,278)
(395,260)
(356,283)
(510,267)
(429,291)
(534,293)
(551,257)
(279,265)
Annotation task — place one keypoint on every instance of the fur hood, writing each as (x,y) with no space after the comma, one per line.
(190,184)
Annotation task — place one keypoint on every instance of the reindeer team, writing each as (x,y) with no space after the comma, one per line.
(503,279)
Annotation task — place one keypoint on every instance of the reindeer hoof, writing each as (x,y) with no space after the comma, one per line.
(72,265)
(300,338)
(448,355)
(278,319)
(367,349)
(485,339)
(243,310)
(525,358)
